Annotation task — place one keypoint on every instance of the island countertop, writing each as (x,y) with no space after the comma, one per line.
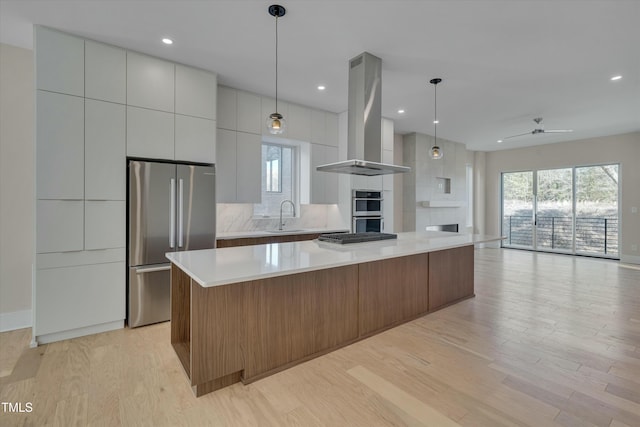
(224,266)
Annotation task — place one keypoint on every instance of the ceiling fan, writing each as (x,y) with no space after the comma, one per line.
(539,129)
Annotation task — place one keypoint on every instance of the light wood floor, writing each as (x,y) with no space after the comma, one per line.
(549,340)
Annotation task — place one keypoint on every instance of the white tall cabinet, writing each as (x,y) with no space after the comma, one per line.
(96,104)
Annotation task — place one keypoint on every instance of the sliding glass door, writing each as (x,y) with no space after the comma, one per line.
(568,210)
(554,210)
(518,209)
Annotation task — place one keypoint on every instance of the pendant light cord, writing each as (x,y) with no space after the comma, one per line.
(276,63)
(435,115)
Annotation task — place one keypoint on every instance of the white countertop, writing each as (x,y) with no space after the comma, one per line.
(216,267)
(264,233)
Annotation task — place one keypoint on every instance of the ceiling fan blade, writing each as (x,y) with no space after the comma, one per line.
(558,131)
(514,136)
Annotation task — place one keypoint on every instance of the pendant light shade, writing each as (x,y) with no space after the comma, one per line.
(436,152)
(276,124)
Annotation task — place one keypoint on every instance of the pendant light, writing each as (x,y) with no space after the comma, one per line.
(436,152)
(275,122)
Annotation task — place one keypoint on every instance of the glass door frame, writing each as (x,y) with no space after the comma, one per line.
(534,219)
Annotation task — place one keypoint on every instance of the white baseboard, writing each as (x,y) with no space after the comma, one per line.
(629,259)
(80,332)
(13,320)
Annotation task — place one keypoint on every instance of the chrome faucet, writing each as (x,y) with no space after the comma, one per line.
(281,224)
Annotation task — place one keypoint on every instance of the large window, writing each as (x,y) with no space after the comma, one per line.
(279,179)
(569,210)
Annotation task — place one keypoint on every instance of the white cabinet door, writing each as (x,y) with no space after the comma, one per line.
(195,139)
(75,297)
(330,179)
(299,122)
(226,166)
(324,185)
(248,113)
(150,82)
(104,225)
(105,151)
(59,146)
(59,62)
(196,92)
(249,168)
(331,126)
(227,106)
(105,72)
(318,127)
(150,134)
(59,226)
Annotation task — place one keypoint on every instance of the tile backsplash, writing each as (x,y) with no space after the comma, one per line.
(239,217)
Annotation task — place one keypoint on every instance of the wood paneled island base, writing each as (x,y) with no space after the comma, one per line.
(248,330)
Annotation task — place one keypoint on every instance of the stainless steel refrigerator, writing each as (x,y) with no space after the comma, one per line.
(172,207)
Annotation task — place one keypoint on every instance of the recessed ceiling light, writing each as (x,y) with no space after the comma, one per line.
(499,141)
(167,41)
(321,87)
(400,111)
(435,122)
(614,78)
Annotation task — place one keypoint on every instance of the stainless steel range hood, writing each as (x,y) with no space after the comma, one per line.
(364,143)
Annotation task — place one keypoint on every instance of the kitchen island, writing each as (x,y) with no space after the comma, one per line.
(243,313)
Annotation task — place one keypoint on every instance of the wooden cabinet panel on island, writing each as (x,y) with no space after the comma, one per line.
(392,291)
(450,276)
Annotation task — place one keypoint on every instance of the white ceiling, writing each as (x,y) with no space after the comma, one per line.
(502,62)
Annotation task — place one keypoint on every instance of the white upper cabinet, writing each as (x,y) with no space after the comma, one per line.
(150,82)
(324,185)
(195,139)
(105,72)
(248,168)
(299,123)
(59,146)
(105,151)
(331,125)
(318,127)
(196,92)
(59,62)
(227,105)
(150,133)
(226,166)
(249,113)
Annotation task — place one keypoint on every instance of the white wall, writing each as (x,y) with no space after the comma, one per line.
(622,149)
(16,186)
(420,185)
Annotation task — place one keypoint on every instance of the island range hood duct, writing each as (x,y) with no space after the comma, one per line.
(364,143)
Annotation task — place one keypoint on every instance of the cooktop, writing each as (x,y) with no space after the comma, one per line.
(344,238)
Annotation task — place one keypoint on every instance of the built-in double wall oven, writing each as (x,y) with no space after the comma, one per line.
(366,211)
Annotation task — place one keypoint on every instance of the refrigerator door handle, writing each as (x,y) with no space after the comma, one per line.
(180,212)
(143,270)
(172,215)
